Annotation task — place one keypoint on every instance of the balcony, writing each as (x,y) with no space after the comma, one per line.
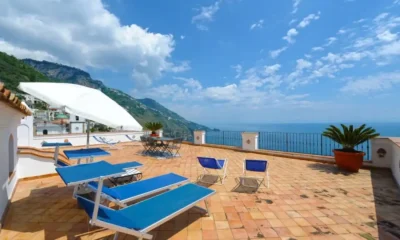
(306,200)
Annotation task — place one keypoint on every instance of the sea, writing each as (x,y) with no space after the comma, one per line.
(384,129)
(293,137)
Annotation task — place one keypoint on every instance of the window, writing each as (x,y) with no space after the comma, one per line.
(11,155)
(77,118)
(45,132)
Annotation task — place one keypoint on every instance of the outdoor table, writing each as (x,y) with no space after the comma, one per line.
(167,139)
(57,149)
(85,153)
(163,148)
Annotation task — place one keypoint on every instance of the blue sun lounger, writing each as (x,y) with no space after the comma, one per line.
(138,219)
(213,163)
(76,175)
(123,194)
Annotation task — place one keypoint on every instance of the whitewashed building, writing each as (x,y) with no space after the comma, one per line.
(77,124)
(12,112)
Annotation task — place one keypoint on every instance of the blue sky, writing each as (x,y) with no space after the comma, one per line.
(236,61)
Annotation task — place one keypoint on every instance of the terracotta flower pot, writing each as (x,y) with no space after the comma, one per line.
(349,161)
(154,135)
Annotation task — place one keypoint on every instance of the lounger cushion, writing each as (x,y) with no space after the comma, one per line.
(256,165)
(148,212)
(136,189)
(87,172)
(85,153)
(127,165)
(212,163)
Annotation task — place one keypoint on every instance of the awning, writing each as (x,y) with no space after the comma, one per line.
(84,102)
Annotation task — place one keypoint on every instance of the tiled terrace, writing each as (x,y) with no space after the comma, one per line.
(306,200)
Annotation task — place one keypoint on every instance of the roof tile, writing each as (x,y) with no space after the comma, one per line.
(12,100)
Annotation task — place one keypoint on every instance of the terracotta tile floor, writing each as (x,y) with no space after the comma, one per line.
(306,200)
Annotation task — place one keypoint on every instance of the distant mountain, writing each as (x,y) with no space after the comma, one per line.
(14,71)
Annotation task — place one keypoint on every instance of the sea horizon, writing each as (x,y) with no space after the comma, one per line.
(390,129)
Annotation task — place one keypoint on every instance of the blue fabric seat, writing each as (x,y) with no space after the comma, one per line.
(215,164)
(81,173)
(139,219)
(128,165)
(88,171)
(131,191)
(254,165)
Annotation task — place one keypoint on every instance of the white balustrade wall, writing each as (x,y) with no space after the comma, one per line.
(80,139)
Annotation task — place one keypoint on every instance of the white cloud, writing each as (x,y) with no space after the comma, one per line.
(387,36)
(364,42)
(226,93)
(345,57)
(238,69)
(374,83)
(167,91)
(65,32)
(381,16)
(316,49)
(390,49)
(190,83)
(277,52)
(307,20)
(330,41)
(205,15)
(292,21)
(296,4)
(360,20)
(182,37)
(290,35)
(271,69)
(182,67)
(258,24)
(342,31)
(303,64)
(26,53)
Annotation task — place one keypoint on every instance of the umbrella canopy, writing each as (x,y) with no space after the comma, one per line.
(82,101)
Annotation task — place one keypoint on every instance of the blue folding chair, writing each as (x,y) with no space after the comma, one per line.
(139,219)
(123,194)
(211,163)
(255,166)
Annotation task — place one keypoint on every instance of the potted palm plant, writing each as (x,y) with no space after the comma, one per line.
(349,137)
(153,127)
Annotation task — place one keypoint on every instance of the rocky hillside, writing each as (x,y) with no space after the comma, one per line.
(14,71)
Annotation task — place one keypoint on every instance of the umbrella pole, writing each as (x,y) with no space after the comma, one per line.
(87,134)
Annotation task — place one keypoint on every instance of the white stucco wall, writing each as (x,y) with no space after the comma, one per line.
(80,139)
(25,131)
(31,165)
(392,157)
(396,160)
(9,121)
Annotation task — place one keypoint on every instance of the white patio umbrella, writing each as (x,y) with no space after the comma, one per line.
(85,102)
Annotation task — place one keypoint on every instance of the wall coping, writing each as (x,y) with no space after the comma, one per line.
(83,134)
(296,156)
